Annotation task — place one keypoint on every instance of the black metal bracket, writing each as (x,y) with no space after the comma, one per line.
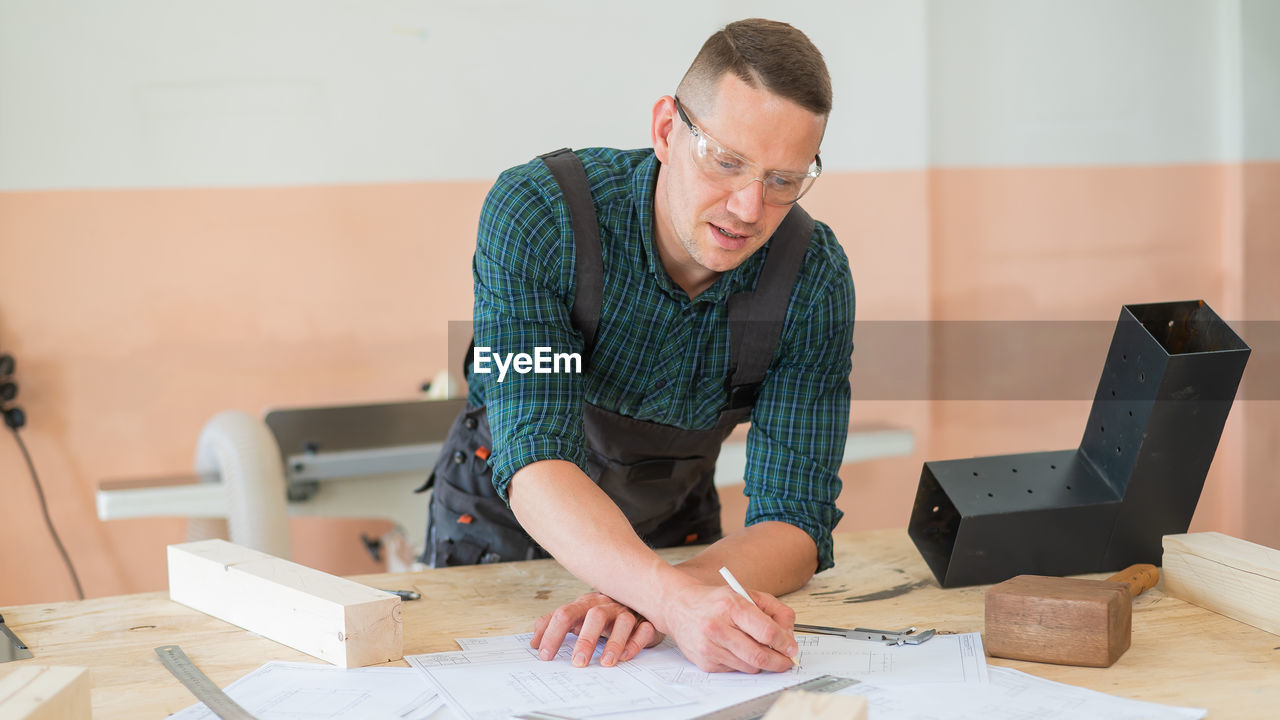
(1167,386)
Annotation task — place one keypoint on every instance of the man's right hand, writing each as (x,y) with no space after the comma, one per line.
(721,631)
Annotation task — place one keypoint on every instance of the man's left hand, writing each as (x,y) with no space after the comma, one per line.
(593,616)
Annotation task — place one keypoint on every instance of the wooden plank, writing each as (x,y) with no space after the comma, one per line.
(801,705)
(36,692)
(1225,574)
(334,619)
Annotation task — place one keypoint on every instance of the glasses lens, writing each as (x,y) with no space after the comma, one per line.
(730,171)
(780,189)
(719,163)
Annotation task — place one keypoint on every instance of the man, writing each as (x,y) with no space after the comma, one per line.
(689,320)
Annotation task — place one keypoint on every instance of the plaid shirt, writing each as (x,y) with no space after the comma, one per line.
(659,356)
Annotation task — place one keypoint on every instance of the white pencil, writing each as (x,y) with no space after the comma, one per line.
(737,587)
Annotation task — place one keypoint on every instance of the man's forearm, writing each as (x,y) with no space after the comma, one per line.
(574,520)
(771,556)
(581,526)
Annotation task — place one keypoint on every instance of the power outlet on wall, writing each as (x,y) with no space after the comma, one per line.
(14,418)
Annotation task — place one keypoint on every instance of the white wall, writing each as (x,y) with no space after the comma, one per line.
(157,93)
(1084,82)
(160,93)
(1260,23)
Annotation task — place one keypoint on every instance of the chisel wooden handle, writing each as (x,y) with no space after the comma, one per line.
(1138,577)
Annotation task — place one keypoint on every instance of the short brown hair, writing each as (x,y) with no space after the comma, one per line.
(764,53)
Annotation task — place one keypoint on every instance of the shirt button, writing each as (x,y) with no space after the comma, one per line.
(459,457)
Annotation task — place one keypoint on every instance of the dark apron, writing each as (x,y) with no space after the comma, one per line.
(662,477)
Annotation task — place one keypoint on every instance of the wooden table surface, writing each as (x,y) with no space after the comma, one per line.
(1181,654)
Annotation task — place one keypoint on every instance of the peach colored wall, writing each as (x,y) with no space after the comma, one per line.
(883,221)
(1261,443)
(1076,244)
(137,315)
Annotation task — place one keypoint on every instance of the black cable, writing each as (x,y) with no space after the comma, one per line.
(44,508)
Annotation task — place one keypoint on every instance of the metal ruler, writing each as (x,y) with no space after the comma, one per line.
(752,709)
(756,708)
(200,685)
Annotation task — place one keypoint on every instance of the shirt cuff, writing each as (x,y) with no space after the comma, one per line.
(819,522)
(506,462)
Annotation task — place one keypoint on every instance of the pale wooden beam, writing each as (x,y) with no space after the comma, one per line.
(1227,575)
(332,618)
(801,705)
(37,692)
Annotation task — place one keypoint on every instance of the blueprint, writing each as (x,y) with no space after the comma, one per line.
(1011,695)
(307,691)
(498,679)
(946,678)
(944,659)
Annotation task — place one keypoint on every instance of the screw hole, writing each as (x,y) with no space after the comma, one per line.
(1113,393)
(1142,377)
(991,494)
(1015,469)
(1029,491)
(1130,413)
(1068,487)
(1053,467)
(1102,428)
(1117,449)
(1124,357)
(975,473)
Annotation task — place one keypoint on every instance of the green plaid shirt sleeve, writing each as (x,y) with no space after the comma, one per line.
(524,287)
(801,418)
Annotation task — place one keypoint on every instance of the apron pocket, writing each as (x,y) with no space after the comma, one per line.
(468,523)
(647,491)
(472,533)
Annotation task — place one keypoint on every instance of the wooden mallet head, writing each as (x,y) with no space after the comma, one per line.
(1066,621)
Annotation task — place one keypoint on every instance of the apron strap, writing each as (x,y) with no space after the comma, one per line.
(589,268)
(756,318)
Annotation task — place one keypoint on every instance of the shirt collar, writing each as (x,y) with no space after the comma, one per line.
(644,181)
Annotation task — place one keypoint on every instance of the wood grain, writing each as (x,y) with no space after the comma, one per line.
(1067,621)
(1139,578)
(1180,654)
(331,618)
(1058,620)
(802,705)
(1227,575)
(37,692)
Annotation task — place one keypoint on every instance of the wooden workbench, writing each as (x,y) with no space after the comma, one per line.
(1181,654)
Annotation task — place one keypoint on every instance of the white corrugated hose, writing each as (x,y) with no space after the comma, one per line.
(241,450)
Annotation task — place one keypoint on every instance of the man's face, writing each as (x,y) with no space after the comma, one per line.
(704,228)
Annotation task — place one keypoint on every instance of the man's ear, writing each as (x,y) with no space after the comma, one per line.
(664,122)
